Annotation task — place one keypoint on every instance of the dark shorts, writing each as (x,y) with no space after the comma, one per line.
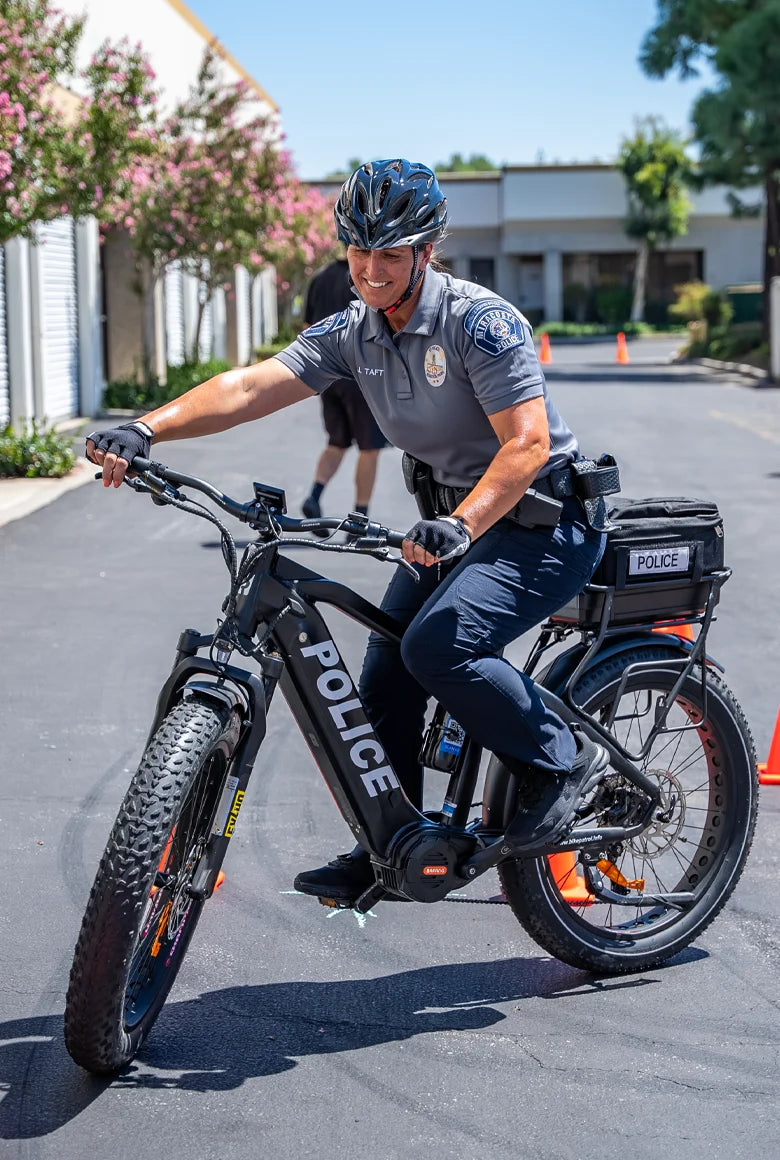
(347,418)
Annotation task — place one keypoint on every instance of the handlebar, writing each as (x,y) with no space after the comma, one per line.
(159,478)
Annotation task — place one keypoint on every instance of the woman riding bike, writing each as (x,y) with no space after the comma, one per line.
(450,372)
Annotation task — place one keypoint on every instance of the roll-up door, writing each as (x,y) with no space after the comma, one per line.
(174,315)
(5,398)
(59,320)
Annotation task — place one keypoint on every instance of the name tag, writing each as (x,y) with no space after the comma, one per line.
(656,561)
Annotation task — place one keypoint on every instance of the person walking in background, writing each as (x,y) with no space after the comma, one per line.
(345,413)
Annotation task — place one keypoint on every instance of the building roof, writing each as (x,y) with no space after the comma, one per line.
(220,49)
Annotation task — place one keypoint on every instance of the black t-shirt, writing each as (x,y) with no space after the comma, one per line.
(329,291)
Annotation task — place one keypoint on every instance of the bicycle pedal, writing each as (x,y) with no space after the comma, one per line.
(333,903)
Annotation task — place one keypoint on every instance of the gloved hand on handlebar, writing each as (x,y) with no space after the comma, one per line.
(442,539)
(119,443)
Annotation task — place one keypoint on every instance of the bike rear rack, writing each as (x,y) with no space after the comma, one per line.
(555,629)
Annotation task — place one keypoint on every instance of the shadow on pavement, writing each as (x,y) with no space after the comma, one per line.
(222,1038)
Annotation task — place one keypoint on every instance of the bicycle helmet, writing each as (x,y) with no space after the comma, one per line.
(390,203)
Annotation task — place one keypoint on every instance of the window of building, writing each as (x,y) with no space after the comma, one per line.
(483,271)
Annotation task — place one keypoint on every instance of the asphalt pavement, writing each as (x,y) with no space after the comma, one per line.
(443,1030)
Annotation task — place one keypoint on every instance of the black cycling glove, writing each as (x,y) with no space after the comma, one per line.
(126,441)
(445,537)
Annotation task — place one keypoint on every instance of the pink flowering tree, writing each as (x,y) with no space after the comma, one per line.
(299,240)
(56,159)
(207,193)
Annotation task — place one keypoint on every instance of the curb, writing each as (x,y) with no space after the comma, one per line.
(759,377)
(20,497)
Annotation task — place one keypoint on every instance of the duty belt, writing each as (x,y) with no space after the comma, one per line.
(587,479)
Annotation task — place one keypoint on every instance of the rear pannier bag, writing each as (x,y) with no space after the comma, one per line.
(655,558)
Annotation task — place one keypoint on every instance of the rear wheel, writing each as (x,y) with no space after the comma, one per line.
(142,911)
(709,788)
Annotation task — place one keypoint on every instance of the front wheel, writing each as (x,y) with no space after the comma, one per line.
(143,910)
(697,843)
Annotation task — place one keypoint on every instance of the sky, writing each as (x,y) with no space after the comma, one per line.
(523,83)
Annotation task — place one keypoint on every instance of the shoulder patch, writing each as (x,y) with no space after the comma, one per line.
(328,325)
(494,326)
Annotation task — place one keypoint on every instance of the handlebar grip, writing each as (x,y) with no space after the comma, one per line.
(395,539)
(140,464)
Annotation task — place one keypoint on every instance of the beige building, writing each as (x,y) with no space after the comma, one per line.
(69,315)
(550,238)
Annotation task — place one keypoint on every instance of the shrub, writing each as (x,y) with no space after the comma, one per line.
(37,450)
(697,302)
(613,305)
(730,342)
(128,395)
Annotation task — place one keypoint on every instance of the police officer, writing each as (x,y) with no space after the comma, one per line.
(450,373)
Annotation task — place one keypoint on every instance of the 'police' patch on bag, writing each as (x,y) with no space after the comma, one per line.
(328,325)
(494,326)
(657,561)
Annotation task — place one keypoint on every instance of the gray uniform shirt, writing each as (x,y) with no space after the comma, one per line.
(464,355)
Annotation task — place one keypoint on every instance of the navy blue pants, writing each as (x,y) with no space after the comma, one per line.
(510,579)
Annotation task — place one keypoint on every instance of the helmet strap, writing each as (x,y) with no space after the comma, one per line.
(416,275)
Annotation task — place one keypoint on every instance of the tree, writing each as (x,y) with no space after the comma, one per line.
(301,238)
(206,193)
(656,170)
(737,124)
(53,162)
(474,163)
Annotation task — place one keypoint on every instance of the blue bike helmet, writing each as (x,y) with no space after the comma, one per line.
(390,203)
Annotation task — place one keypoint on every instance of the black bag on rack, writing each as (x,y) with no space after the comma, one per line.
(659,552)
(663,538)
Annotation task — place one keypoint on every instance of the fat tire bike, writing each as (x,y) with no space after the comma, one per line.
(629,886)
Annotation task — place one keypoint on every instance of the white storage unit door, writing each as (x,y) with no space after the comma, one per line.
(59,320)
(5,395)
(206,339)
(174,315)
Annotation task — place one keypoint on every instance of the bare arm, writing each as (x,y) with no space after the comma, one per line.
(524,435)
(225,401)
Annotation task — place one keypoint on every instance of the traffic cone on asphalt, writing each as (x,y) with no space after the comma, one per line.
(622,350)
(568,879)
(769,770)
(545,354)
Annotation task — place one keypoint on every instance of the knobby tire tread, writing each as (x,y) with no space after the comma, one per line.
(94,1013)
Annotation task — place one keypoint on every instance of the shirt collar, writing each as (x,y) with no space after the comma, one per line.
(423,320)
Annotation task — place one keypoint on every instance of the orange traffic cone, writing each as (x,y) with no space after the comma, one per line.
(568,879)
(769,770)
(622,350)
(545,354)
(684,631)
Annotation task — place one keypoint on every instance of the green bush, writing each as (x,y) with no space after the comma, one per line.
(128,395)
(698,302)
(269,349)
(593,329)
(730,342)
(613,305)
(37,450)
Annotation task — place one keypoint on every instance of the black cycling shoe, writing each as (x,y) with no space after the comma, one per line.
(344,879)
(312,511)
(551,804)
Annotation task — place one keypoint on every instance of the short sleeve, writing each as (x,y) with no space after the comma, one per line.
(316,356)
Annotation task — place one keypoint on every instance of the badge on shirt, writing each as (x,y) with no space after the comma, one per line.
(435,365)
(329,324)
(494,326)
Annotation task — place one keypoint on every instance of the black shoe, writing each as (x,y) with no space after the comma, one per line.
(550,804)
(344,879)
(311,509)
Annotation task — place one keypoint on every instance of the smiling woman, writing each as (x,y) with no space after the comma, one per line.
(450,373)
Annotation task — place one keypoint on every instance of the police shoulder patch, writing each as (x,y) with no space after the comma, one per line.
(494,326)
(328,325)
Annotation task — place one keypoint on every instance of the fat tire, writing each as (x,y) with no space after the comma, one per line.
(96,1034)
(529,884)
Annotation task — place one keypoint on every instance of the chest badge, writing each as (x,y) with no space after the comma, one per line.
(435,365)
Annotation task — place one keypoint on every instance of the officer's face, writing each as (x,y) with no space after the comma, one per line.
(382,276)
